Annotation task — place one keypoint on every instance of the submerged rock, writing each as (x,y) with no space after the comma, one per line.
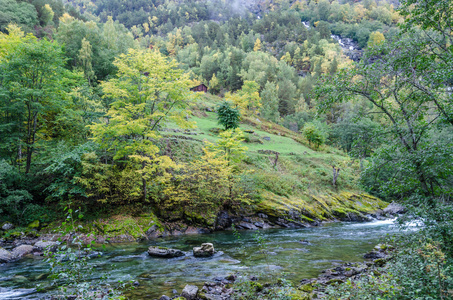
(190,292)
(164,252)
(206,250)
(5,255)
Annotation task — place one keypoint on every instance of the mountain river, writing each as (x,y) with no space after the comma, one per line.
(285,253)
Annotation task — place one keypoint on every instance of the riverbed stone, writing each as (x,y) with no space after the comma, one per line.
(164,252)
(190,292)
(206,250)
(45,245)
(22,250)
(247,225)
(5,255)
(163,297)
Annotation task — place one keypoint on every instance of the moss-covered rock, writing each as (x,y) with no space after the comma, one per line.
(34,225)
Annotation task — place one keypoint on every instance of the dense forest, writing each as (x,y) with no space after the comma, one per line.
(94,93)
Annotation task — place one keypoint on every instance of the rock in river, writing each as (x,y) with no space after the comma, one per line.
(22,250)
(43,245)
(206,250)
(190,292)
(164,252)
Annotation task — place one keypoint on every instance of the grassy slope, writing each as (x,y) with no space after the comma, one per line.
(302,179)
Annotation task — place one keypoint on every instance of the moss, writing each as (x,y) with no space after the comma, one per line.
(308,288)
(128,225)
(256,285)
(34,225)
(335,281)
(380,262)
(301,296)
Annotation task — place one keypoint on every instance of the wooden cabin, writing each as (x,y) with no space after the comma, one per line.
(200,88)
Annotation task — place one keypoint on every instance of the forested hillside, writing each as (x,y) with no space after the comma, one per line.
(316,110)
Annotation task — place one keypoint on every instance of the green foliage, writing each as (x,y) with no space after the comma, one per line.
(269,97)
(21,13)
(313,135)
(418,270)
(31,90)
(16,199)
(228,116)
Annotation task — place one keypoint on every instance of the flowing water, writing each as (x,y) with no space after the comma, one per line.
(284,253)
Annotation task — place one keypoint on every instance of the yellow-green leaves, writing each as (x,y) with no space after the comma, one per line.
(149,90)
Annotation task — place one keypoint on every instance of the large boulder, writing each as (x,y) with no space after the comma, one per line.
(164,252)
(206,250)
(22,250)
(5,256)
(190,292)
(45,245)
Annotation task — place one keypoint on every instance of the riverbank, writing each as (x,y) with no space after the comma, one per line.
(356,207)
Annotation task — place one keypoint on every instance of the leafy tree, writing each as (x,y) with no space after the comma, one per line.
(257,46)
(148,92)
(214,84)
(230,148)
(228,116)
(30,76)
(375,38)
(85,60)
(22,14)
(269,97)
(313,135)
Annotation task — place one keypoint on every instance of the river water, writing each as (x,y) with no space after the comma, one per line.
(285,253)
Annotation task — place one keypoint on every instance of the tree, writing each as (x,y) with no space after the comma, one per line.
(269,97)
(228,116)
(214,84)
(250,95)
(257,46)
(230,149)
(313,135)
(376,38)
(148,91)
(30,85)
(85,59)
(414,163)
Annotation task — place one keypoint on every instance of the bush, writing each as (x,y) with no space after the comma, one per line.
(313,135)
(16,204)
